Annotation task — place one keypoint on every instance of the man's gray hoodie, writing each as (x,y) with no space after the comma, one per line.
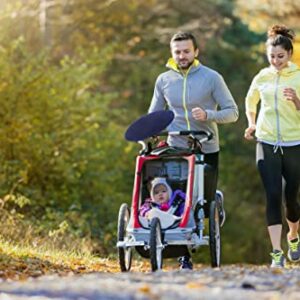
(199,87)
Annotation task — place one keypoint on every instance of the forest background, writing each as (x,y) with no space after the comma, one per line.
(74,75)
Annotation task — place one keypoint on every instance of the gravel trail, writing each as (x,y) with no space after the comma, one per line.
(229,282)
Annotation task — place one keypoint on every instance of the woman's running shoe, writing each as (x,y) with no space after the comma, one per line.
(278,260)
(294,249)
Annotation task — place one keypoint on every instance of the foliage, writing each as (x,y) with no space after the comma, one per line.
(262,13)
(57,130)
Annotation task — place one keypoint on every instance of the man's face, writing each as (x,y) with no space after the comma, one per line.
(183,53)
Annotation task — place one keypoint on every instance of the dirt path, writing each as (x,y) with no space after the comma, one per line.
(229,282)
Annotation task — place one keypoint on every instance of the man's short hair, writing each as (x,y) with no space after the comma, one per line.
(183,36)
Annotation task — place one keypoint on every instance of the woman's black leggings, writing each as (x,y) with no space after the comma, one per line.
(280,173)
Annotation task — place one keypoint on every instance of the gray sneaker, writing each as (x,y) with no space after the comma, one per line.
(294,249)
(278,260)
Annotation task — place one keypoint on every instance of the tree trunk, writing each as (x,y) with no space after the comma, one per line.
(45,21)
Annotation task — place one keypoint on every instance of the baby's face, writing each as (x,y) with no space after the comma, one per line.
(160,194)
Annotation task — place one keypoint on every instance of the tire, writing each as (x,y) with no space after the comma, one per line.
(156,245)
(214,235)
(125,254)
(220,202)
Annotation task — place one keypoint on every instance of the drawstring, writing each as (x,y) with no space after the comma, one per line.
(276,147)
(279,139)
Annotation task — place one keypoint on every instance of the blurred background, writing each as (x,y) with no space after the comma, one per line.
(74,75)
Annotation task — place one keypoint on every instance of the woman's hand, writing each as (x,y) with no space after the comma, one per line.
(248,135)
(291,95)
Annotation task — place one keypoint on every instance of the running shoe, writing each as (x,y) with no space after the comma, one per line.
(185,263)
(294,249)
(278,260)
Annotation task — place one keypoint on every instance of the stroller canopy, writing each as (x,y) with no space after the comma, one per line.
(149,125)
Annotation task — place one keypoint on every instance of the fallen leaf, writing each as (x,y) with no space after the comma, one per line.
(195,285)
(277,271)
(145,289)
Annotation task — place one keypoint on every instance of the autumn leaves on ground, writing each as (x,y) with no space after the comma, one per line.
(20,263)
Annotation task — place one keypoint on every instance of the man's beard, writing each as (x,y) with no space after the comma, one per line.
(185,66)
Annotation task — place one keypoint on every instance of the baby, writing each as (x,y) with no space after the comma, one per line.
(163,198)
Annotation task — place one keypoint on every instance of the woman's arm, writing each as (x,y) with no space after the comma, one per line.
(251,117)
(252,99)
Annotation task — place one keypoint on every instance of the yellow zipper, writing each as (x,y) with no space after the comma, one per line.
(184,99)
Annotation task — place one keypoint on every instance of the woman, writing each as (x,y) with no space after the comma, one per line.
(278,138)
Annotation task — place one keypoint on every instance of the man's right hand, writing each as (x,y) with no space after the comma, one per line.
(199,114)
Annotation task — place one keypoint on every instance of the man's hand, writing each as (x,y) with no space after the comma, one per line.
(199,114)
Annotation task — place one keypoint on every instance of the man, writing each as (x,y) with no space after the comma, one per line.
(200,100)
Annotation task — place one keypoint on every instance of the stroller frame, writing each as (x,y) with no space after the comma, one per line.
(156,242)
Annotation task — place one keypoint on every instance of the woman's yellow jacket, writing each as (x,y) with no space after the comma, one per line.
(278,119)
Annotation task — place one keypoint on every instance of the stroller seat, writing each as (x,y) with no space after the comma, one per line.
(166,219)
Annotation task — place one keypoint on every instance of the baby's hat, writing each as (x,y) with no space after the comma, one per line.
(157,181)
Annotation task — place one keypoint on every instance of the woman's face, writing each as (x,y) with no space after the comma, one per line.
(278,57)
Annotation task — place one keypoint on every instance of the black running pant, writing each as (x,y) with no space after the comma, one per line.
(211,175)
(273,169)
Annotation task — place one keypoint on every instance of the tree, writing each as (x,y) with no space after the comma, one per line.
(261,14)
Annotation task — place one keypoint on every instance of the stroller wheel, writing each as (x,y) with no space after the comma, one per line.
(156,245)
(214,235)
(220,201)
(125,253)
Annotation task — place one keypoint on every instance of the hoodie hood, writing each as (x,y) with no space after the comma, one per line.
(289,70)
(157,181)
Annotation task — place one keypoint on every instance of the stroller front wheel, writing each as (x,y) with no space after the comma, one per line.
(125,254)
(156,245)
(214,235)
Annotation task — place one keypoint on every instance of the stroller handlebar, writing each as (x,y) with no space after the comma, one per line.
(206,134)
(195,141)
